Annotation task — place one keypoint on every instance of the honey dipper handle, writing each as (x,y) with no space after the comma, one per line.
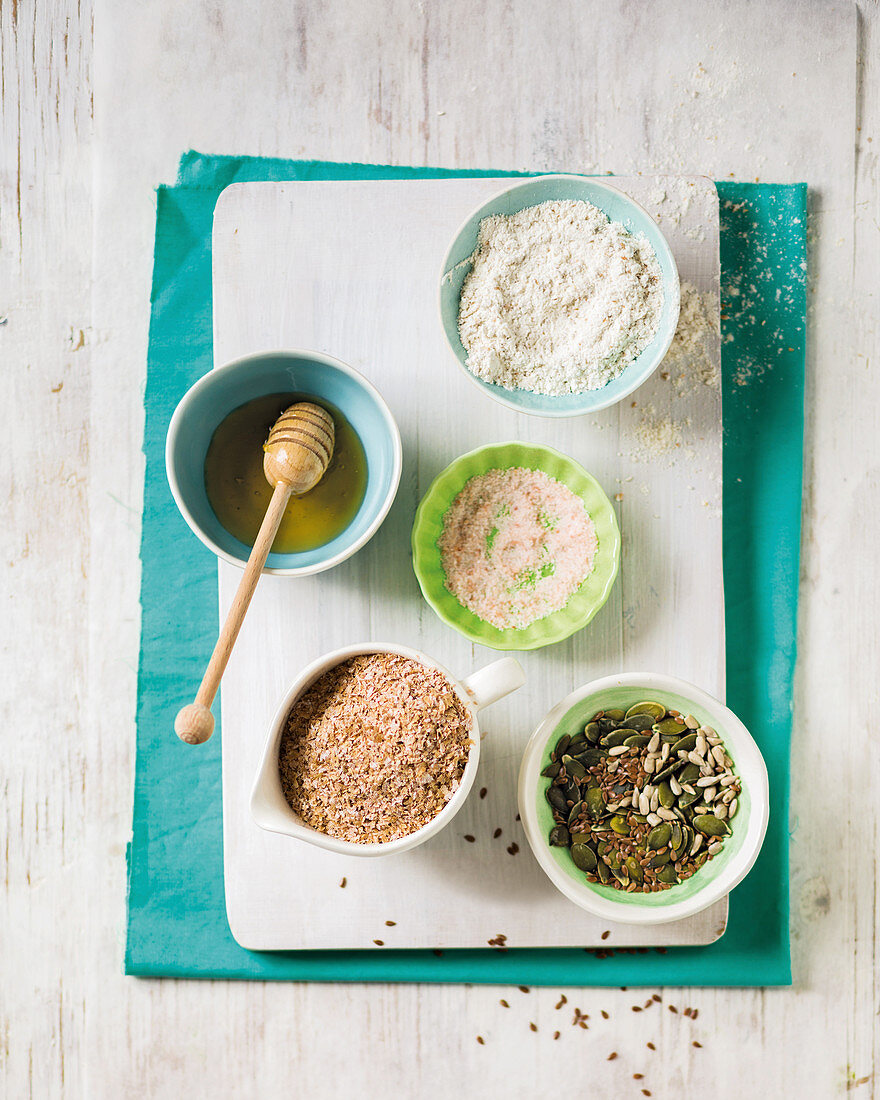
(195,723)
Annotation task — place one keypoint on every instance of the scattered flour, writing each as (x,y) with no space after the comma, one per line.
(559,299)
(688,362)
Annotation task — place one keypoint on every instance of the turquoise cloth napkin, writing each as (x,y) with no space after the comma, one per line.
(176,911)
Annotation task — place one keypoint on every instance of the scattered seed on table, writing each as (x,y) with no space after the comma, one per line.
(436,951)
(523,989)
(606,934)
(657,998)
(637,1008)
(696,1044)
(483,792)
(533,1027)
(517,818)
(496,834)
(563,1000)
(687,1012)
(513,848)
(481,1040)
(611,1056)
(605,1015)
(694,1014)
(650,1046)
(470,839)
(672,1008)
(379,943)
(342,884)
(638,1076)
(646,1092)
(391,923)
(556,1034)
(504,1003)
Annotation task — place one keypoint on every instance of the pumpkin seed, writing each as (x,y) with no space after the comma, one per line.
(578,740)
(572,790)
(583,857)
(637,740)
(574,767)
(615,737)
(668,874)
(574,813)
(595,802)
(659,860)
(592,732)
(641,723)
(669,770)
(634,868)
(581,838)
(659,835)
(667,798)
(670,726)
(560,836)
(685,799)
(604,872)
(619,825)
(711,825)
(688,774)
(552,770)
(590,757)
(616,714)
(684,744)
(656,710)
(562,745)
(556,798)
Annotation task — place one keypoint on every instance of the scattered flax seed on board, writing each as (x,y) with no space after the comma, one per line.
(672,1008)
(496,834)
(611,1056)
(483,792)
(523,989)
(657,998)
(342,884)
(391,923)
(513,848)
(606,1015)
(470,839)
(504,1003)
(606,934)
(638,1076)
(533,1027)
(556,1034)
(696,1044)
(481,1040)
(374,749)
(563,1000)
(650,1046)
(379,943)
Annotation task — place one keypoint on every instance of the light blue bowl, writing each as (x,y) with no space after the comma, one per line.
(619,208)
(220,391)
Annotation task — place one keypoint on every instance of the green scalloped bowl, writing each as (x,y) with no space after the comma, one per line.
(428,525)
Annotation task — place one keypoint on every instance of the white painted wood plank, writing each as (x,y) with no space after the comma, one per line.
(352,269)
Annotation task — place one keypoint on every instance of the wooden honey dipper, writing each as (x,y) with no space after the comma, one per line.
(297,453)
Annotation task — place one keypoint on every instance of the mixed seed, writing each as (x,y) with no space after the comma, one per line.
(641,797)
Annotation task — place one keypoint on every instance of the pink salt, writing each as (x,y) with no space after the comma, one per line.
(516,544)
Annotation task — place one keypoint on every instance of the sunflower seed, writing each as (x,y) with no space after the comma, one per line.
(721,812)
(653,819)
(648,765)
(691,722)
(618,750)
(695,758)
(732,808)
(674,786)
(664,814)
(726,780)
(654,743)
(664,752)
(718,754)
(655,800)
(644,803)
(707,781)
(697,844)
(714,848)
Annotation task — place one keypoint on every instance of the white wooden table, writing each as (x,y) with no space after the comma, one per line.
(98,99)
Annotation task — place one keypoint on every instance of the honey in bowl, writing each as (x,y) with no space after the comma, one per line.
(239,492)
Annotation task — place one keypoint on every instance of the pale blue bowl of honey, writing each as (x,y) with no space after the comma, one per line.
(304,375)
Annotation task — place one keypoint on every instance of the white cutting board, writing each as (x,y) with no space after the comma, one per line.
(352,269)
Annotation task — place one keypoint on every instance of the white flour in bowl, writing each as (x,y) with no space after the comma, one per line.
(559,299)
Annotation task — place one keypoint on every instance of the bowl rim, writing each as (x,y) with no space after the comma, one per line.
(511,644)
(267,769)
(754,771)
(550,414)
(207,380)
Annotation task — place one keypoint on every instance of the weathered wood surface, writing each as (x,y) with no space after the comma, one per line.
(98,100)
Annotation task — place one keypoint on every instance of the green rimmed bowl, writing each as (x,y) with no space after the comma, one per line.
(428,526)
(719,875)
